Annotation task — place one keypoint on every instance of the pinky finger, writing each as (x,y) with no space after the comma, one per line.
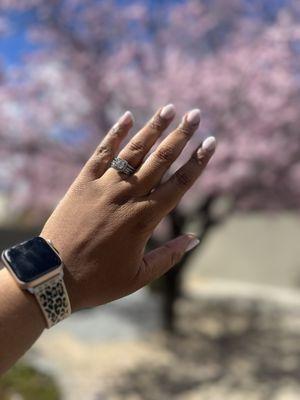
(167,195)
(107,149)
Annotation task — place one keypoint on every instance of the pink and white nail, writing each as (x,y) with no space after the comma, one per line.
(167,111)
(209,144)
(193,117)
(126,118)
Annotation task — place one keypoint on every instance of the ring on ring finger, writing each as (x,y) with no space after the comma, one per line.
(123,166)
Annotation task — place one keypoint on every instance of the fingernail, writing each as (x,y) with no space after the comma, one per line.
(168,111)
(209,144)
(193,116)
(192,243)
(126,118)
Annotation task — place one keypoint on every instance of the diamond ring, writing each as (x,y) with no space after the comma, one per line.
(122,166)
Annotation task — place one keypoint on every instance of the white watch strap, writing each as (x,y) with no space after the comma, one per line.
(53,299)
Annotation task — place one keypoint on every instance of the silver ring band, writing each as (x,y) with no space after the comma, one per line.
(122,166)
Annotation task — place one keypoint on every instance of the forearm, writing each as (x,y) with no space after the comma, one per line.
(21,321)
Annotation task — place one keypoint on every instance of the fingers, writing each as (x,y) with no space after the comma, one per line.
(167,195)
(107,149)
(153,169)
(135,151)
(159,261)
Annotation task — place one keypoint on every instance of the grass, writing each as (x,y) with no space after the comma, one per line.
(26,383)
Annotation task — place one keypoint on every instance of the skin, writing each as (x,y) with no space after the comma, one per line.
(102,225)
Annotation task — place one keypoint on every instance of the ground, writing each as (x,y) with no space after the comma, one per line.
(238,328)
(237,343)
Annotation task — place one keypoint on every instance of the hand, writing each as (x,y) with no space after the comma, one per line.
(103,223)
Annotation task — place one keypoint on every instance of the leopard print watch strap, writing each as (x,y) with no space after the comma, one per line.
(53,299)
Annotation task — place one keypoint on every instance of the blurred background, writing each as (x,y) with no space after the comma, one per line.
(225,323)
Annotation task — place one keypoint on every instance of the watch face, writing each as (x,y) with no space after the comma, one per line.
(32,259)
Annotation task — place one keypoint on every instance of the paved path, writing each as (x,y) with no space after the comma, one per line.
(91,349)
(242,260)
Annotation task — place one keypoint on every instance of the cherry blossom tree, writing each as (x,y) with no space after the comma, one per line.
(91,62)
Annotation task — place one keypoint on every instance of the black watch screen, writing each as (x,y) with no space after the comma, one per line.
(32,259)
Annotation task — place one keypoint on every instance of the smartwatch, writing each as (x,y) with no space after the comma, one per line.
(37,267)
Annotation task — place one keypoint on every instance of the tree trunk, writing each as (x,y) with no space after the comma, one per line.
(173,279)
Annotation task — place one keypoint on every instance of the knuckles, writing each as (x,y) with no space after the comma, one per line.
(102,155)
(186,131)
(201,160)
(157,123)
(182,178)
(165,154)
(102,149)
(136,146)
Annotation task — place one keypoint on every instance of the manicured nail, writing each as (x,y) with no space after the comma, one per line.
(168,111)
(193,116)
(209,144)
(192,243)
(126,118)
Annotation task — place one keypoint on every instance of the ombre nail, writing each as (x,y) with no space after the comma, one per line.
(167,111)
(126,118)
(193,116)
(209,144)
(192,244)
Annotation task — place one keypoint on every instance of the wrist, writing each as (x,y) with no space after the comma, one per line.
(71,284)
(37,268)
(20,302)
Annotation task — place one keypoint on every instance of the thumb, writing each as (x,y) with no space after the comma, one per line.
(157,262)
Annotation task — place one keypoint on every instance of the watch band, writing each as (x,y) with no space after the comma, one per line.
(53,299)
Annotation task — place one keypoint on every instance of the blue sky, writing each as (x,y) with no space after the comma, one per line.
(14,46)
